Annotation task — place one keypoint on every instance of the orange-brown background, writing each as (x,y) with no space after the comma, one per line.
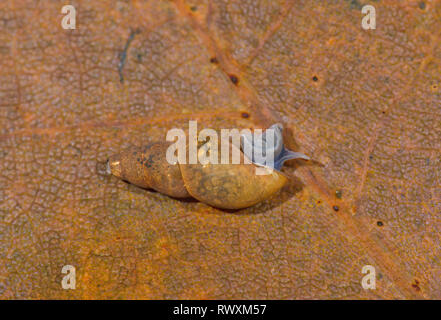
(364,104)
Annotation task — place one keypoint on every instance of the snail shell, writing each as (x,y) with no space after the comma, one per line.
(226,186)
(148,168)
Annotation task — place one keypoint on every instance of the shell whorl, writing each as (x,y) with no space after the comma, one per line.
(222,185)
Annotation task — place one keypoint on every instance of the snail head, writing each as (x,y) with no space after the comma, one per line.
(113,165)
(269,143)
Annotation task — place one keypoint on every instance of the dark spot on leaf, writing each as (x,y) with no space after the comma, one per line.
(422,5)
(245,115)
(234,79)
(338,194)
(336,208)
(380,223)
(314,78)
(214,60)
(416,285)
(193,8)
(371,157)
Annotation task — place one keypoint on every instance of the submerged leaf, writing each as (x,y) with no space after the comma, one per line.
(363,104)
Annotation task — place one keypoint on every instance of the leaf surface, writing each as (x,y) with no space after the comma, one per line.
(364,104)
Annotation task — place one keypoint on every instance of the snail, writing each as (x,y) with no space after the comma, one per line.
(221,185)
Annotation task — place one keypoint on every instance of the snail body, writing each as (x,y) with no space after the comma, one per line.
(221,185)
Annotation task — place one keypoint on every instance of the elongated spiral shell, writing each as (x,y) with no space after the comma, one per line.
(226,186)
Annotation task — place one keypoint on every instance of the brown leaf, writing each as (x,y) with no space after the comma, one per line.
(364,104)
